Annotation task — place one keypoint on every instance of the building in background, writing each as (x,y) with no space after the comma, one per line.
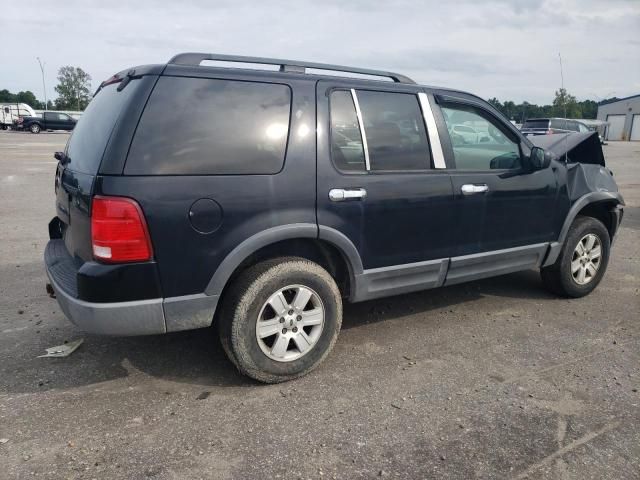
(623,117)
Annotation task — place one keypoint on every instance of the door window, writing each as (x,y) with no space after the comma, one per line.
(395,131)
(395,137)
(485,146)
(347,149)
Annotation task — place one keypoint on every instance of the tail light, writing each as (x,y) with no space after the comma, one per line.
(119,231)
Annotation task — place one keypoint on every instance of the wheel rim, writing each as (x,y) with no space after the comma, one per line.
(290,323)
(586,259)
(35,129)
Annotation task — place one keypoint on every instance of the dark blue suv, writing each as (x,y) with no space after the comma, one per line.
(257,200)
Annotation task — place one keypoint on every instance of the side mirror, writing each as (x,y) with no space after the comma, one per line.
(58,156)
(539,159)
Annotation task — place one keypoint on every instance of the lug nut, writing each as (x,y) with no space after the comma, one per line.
(281,319)
(299,317)
(294,329)
(290,312)
(284,330)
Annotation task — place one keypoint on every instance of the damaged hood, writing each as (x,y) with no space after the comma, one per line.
(577,147)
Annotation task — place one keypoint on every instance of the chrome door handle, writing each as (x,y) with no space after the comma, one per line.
(344,194)
(471,189)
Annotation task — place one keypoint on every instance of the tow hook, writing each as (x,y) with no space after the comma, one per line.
(50,291)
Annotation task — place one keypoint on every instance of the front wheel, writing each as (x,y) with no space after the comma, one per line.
(280,319)
(35,128)
(582,261)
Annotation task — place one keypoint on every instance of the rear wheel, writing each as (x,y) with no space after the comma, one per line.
(582,261)
(35,128)
(280,319)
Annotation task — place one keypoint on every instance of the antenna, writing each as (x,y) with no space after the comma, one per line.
(564,106)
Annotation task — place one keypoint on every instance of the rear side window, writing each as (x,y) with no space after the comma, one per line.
(194,126)
(395,131)
(347,150)
(92,132)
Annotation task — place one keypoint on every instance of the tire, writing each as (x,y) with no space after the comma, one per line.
(562,278)
(34,128)
(249,302)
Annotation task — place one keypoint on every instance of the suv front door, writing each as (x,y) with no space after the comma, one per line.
(377,187)
(505,213)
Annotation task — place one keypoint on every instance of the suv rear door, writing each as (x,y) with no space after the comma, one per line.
(377,185)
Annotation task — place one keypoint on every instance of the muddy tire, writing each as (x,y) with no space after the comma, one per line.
(280,319)
(582,261)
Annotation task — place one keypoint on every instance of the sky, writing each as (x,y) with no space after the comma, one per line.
(496,48)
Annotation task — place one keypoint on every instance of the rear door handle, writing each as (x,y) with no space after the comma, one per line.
(472,189)
(345,194)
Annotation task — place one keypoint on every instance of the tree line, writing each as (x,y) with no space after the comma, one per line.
(564,105)
(73,89)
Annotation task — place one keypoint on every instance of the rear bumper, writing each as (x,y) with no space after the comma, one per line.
(141,317)
(147,316)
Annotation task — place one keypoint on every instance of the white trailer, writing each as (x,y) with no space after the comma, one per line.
(10,112)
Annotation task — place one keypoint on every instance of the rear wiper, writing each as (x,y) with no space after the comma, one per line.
(61,157)
(131,75)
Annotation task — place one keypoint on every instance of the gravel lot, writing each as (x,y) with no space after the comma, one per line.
(492,379)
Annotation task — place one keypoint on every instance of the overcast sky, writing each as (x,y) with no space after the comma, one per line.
(503,48)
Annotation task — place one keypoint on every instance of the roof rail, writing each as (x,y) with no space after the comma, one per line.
(292,66)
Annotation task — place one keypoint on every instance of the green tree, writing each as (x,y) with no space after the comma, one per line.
(565,105)
(29,98)
(74,87)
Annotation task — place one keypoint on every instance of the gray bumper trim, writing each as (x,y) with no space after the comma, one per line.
(189,311)
(141,317)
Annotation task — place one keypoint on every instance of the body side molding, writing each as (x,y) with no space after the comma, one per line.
(496,262)
(398,279)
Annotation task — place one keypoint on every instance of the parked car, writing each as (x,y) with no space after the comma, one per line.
(48,121)
(548,126)
(258,201)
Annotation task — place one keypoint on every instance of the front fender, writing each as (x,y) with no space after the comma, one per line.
(614,201)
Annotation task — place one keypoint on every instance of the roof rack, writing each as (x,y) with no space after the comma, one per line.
(292,66)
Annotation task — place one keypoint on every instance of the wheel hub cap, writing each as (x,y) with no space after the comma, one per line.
(290,323)
(586,260)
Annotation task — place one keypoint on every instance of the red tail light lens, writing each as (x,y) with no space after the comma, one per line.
(119,231)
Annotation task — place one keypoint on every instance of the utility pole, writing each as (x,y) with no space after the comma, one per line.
(44,88)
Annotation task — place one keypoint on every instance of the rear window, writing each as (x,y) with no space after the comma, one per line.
(195,126)
(536,124)
(92,132)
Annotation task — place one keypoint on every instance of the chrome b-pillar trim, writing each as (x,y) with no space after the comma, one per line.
(432,130)
(365,146)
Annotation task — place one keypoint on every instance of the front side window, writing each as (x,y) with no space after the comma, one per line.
(198,126)
(395,131)
(478,142)
(347,149)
